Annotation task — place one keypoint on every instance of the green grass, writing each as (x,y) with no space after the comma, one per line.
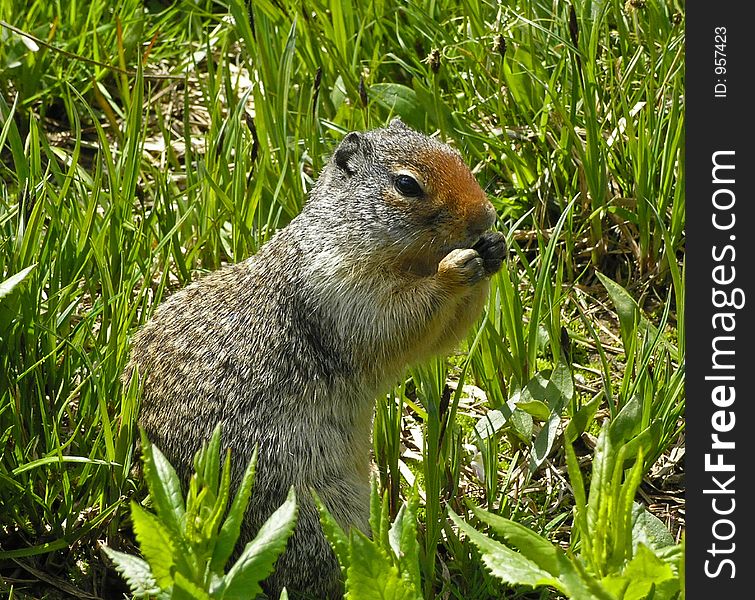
(121,183)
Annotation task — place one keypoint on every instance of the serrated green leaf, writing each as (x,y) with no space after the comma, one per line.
(207,461)
(385,520)
(645,572)
(185,589)
(376,523)
(213,521)
(155,544)
(335,535)
(164,488)
(578,583)
(673,555)
(403,542)
(531,545)
(504,563)
(598,497)
(622,518)
(257,560)
(372,575)
(231,528)
(194,502)
(135,571)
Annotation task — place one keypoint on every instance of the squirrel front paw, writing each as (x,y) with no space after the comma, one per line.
(463,266)
(492,249)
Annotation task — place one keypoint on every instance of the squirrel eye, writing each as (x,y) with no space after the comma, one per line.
(407,186)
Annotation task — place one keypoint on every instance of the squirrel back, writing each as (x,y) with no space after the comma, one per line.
(387,264)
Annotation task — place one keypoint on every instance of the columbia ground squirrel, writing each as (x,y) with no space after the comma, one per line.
(387,264)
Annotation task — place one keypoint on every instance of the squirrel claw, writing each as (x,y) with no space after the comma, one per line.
(463,264)
(492,249)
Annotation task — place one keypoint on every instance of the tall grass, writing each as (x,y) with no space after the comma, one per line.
(182,137)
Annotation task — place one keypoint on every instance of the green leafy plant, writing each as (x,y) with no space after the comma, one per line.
(118,185)
(618,550)
(542,399)
(654,368)
(385,566)
(187,544)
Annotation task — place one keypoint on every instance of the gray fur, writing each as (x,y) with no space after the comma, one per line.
(289,348)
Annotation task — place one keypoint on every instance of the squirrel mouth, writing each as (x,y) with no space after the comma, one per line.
(472,240)
(424,261)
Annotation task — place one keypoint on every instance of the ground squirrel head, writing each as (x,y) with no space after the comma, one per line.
(411,197)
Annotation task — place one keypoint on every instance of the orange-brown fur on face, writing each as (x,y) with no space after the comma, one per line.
(452,186)
(452,212)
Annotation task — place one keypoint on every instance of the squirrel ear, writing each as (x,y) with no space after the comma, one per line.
(350,153)
(397,123)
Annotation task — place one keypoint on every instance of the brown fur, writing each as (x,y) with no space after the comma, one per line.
(289,348)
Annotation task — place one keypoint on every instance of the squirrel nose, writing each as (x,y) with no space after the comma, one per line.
(484,220)
(487,217)
(491,214)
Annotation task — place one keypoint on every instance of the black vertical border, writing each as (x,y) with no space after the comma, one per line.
(718,124)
